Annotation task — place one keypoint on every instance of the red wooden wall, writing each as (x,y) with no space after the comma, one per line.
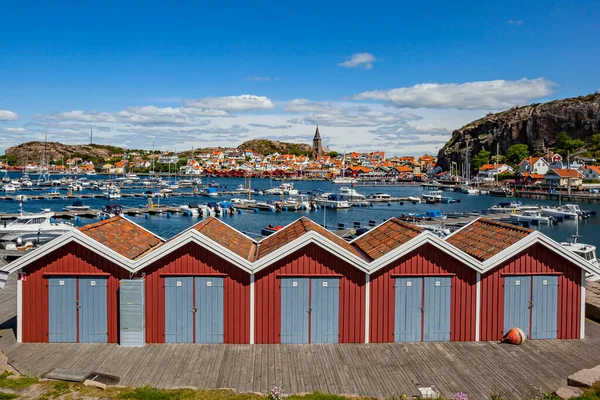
(194,260)
(427,260)
(537,259)
(310,260)
(71,259)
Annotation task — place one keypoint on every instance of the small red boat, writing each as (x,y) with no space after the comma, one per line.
(270,229)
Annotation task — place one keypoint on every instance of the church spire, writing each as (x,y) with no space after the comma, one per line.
(317,148)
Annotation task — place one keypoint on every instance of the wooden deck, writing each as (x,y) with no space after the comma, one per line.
(379,370)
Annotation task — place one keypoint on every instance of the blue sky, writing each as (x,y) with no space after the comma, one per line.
(396,76)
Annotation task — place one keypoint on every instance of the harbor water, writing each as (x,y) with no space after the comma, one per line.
(251,222)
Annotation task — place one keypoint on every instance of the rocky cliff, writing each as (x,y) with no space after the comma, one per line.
(536,125)
(33,152)
(264,147)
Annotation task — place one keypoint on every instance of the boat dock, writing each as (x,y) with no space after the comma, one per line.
(574,197)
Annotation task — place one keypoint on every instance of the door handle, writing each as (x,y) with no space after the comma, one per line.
(194,309)
(530,305)
(309,309)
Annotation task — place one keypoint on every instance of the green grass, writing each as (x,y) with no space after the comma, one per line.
(150,393)
(591,394)
(7,396)
(18,383)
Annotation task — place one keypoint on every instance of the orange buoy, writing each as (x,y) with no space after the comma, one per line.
(514,336)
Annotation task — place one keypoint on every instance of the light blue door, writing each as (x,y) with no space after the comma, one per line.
(179,310)
(408,309)
(62,309)
(517,298)
(294,310)
(544,311)
(93,318)
(325,310)
(209,309)
(436,309)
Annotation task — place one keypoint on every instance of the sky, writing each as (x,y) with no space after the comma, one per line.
(392,76)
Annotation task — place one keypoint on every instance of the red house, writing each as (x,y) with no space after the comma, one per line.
(421,289)
(195,295)
(68,289)
(528,281)
(310,287)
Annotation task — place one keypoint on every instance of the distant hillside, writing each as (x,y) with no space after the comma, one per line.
(536,125)
(33,152)
(264,147)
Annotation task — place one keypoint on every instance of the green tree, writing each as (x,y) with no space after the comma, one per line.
(482,158)
(333,154)
(516,153)
(564,144)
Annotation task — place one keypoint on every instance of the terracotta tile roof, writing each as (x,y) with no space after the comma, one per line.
(593,168)
(532,175)
(227,237)
(294,231)
(123,236)
(530,160)
(485,238)
(566,173)
(386,237)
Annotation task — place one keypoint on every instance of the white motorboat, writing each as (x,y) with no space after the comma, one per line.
(285,189)
(53,194)
(91,173)
(9,187)
(509,207)
(132,177)
(77,206)
(586,251)
(166,192)
(236,201)
(192,208)
(533,216)
(332,201)
(111,210)
(242,189)
(469,190)
(26,183)
(21,197)
(302,202)
(113,193)
(76,187)
(344,180)
(559,212)
(347,193)
(264,206)
(36,227)
(380,197)
(433,196)
(414,199)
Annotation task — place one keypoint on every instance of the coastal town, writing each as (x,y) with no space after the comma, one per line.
(548,169)
(316,201)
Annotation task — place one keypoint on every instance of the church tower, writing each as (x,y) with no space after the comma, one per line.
(317,148)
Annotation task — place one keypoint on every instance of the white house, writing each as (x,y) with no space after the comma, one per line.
(563,177)
(534,165)
(489,171)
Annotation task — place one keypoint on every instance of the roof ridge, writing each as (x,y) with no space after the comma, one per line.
(99,223)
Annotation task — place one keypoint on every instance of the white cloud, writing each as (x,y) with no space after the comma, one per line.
(344,115)
(517,22)
(269,126)
(81,116)
(242,103)
(260,78)
(6,115)
(304,105)
(359,60)
(484,95)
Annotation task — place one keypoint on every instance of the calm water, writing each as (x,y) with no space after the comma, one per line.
(251,223)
